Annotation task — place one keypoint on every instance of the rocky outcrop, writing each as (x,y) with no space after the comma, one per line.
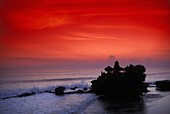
(119,81)
(59,90)
(163,85)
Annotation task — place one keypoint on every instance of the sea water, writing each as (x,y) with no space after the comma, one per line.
(15,82)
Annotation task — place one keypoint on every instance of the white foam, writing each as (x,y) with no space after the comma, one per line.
(11,93)
(47,103)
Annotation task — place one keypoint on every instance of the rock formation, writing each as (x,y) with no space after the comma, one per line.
(59,90)
(117,81)
(163,85)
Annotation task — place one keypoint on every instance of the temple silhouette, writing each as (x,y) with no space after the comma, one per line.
(118,81)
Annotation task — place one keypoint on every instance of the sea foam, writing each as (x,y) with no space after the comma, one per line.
(36,90)
(47,103)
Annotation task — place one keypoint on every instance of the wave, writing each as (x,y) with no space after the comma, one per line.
(17,92)
(157,73)
(49,80)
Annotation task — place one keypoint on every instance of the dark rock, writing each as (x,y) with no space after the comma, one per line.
(85,88)
(47,91)
(79,91)
(59,90)
(163,85)
(73,88)
(25,94)
(119,81)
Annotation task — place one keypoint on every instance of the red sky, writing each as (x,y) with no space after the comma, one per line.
(83,30)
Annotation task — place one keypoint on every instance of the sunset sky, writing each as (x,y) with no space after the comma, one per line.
(44,32)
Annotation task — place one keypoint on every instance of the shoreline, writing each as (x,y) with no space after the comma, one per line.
(153,102)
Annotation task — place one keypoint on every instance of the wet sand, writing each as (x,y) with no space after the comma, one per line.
(102,107)
(162,106)
(153,102)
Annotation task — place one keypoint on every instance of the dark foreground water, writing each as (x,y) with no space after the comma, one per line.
(15,82)
(153,102)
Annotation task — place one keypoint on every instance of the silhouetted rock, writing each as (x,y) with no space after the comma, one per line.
(80,91)
(74,88)
(163,85)
(85,89)
(59,90)
(25,94)
(119,81)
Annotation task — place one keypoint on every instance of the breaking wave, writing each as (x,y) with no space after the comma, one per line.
(158,73)
(36,90)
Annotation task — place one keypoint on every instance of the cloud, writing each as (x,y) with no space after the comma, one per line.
(25,58)
(111,58)
(90,36)
(32,15)
(75,29)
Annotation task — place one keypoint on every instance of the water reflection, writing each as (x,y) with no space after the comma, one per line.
(122,105)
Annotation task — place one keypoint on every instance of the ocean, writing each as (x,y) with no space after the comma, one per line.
(15,82)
